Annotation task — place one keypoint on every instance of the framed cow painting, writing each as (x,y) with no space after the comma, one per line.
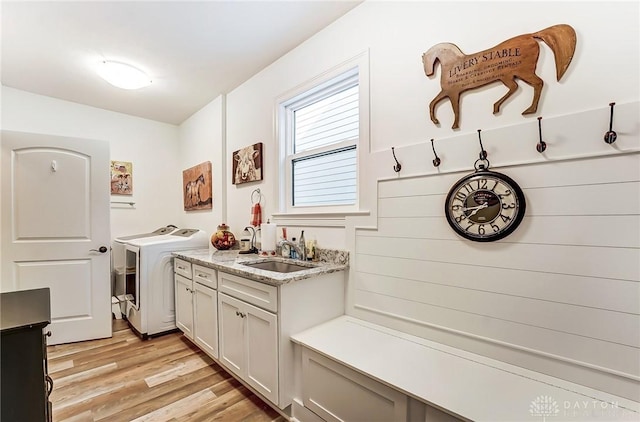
(247,164)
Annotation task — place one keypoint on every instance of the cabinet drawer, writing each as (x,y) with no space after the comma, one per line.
(182,267)
(262,295)
(205,276)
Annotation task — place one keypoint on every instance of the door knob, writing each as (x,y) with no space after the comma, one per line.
(101,249)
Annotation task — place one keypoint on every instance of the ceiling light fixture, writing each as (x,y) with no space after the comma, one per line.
(122,75)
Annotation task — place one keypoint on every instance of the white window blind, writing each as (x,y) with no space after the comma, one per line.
(325,179)
(329,121)
(323,143)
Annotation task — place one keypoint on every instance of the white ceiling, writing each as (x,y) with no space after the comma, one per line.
(193,51)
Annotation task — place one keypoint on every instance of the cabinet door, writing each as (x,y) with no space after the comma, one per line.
(205,314)
(231,326)
(261,332)
(184,305)
(330,389)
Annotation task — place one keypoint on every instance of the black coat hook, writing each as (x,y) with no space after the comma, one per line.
(483,153)
(398,166)
(610,137)
(436,161)
(542,145)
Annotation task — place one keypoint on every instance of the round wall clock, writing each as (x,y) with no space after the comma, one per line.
(485,206)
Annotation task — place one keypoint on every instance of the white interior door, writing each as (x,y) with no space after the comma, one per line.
(55,223)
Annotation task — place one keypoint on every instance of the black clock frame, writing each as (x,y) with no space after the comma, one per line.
(517,191)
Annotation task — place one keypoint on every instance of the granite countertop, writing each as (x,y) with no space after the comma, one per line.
(231,262)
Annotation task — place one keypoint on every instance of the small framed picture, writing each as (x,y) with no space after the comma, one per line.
(121,178)
(196,187)
(247,164)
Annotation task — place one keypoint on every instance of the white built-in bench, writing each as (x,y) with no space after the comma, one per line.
(354,370)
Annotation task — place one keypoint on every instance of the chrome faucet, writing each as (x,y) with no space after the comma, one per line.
(301,255)
(252,245)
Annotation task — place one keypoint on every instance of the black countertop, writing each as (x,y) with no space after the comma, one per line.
(24,308)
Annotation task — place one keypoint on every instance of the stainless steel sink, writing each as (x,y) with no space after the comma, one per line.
(276,266)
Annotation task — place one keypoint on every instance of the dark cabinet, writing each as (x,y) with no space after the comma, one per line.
(24,382)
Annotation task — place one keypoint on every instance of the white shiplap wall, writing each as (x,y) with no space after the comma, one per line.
(561,295)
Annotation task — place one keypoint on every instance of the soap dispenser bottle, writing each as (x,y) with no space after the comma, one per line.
(294,254)
(303,247)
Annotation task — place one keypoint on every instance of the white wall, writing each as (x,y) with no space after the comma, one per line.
(396,34)
(535,301)
(202,139)
(151,146)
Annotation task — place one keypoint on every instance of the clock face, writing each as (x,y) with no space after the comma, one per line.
(485,206)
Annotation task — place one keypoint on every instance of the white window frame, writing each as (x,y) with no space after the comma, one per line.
(284,134)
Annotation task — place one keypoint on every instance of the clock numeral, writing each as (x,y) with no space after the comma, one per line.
(481,230)
(482,183)
(506,193)
(456,207)
(469,226)
(505,218)
(468,188)
(495,228)
(460,196)
(460,218)
(506,207)
(494,186)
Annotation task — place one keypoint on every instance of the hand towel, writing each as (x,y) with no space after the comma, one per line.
(256,215)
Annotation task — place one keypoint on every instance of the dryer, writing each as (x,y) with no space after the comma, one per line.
(150,293)
(118,267)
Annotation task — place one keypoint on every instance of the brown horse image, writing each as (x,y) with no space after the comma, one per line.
(514,58)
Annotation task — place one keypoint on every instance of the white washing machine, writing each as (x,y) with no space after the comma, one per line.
(118,259)
(150,293)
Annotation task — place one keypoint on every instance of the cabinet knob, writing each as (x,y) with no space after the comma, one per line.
(48,334)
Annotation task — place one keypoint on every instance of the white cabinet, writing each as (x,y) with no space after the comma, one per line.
(184,305)
(205,316)
(249,333)
(256,323)
(249,344)
(197,304)
(330,390)
(246,325)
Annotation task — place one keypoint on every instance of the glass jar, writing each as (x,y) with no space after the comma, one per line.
(223,239)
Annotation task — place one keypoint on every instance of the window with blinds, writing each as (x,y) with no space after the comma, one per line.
(322,138)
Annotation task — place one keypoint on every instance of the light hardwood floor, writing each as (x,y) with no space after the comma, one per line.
(167,378)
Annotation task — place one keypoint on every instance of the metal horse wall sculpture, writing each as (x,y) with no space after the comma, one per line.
(513,59)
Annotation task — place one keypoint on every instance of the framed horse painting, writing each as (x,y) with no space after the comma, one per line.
(196,187)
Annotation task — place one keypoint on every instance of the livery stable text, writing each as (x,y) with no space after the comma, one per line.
(492,55)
